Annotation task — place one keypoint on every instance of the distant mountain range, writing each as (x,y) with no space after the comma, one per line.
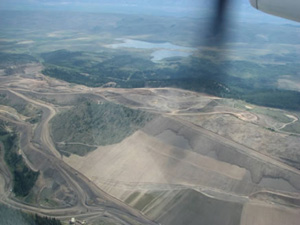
(158,3)
(178,8)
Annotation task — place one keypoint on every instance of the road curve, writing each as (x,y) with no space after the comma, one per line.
(83,187)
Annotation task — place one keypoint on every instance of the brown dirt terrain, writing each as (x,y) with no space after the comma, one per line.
(79,197)
(197,159)
(262,214)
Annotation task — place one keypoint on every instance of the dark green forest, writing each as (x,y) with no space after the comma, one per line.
(224,79)
(8,59)
(9,216)
(23,177)
(229,79)
(90,123)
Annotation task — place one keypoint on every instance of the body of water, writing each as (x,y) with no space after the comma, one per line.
(161,50)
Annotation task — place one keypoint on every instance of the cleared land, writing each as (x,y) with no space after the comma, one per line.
(262,214)
(194,153)
(69,193)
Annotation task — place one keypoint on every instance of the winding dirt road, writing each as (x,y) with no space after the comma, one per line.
(84,188)
(90,202)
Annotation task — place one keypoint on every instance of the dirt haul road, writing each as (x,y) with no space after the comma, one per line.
(91,202)
(83,188)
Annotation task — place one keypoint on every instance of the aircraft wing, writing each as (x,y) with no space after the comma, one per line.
(289,9)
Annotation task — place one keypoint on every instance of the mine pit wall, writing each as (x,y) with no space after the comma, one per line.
(203,144)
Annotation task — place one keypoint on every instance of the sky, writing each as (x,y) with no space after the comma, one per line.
(180,8)
(97,4)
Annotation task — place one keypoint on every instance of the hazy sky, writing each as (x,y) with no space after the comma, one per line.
(186,8)
(196,4)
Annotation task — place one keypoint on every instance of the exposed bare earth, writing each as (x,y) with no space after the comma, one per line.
(262,214)
(198,155)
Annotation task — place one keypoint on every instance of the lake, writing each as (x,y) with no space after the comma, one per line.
(161,50)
